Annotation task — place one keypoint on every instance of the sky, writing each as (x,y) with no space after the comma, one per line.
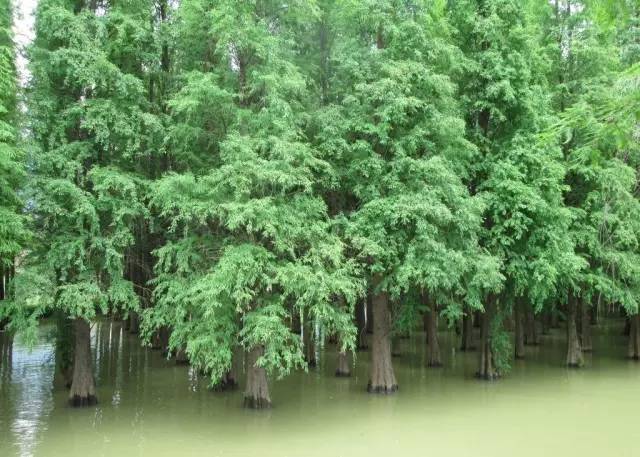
(23,32)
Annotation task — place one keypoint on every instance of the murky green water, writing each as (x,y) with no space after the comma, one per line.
(151,407)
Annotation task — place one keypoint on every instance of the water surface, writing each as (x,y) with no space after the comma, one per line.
(150,407)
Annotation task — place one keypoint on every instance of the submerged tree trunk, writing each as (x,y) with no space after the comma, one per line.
(487,369)
(134,323)
(585,328)
(574,351)
(433,347)
(633,351)
(383,379)
(256,394)
(467,332)
(519,330)
(83,388)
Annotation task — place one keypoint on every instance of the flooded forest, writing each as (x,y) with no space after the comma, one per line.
(319,227)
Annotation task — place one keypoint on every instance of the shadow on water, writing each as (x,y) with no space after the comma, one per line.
(149,406)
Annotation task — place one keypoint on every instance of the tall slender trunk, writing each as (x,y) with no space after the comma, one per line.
(383,378)
(574,351)
(546,322)
(531,331)
(83,388)
(309,340)
(467,332)
(433,347)
(361,324)
(256,394)
(519,330)
(585,327)
(633,351)
(487,368)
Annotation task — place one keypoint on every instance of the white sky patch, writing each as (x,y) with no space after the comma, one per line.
(23,31)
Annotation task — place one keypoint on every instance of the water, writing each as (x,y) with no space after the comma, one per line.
(151,407)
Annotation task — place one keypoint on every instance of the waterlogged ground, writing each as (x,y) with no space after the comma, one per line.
(151,407)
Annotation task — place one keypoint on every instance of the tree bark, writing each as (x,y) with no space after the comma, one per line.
(519,330)
(369,314)
(633,351)
(487,368)
(181,356)
(546,322)
(256,394)
(433,347)
(467,332)
(361,324)
(134,323)
(574,351)
(343,370)
(230,380)
(83,388)
(383,378)
(531,332)
(585,328)
(309,340)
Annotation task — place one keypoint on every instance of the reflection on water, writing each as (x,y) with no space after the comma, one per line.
(26,377)
(151,407)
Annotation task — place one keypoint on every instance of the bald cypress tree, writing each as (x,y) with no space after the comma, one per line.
(88,122)
(13,233)
(250,240)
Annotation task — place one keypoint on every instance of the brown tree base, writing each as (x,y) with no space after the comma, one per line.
(382,389)
(575,365)
(225,386)
(518,357)
(434,364)
(487,377)
(256,403)
(633,357)
(79,402)
(342,374)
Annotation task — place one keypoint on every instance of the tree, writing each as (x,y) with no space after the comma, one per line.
(393,131)
(13,230)
(251,242)
(88,121)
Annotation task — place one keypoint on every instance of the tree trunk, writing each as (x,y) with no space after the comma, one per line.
(585,328)
(134,323)
(519,330)
(343,370)
(256,394)
(487,368)
(383,379)
(574,351)
(467,332)
(633,351)
(531,332)
(361,324)
(433,347)
(230,380)
(83,388)
(181,356)
(309,340)
(369,314)
(546,323)
(555,317)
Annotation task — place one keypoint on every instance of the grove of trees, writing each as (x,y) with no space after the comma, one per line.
(239,181)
